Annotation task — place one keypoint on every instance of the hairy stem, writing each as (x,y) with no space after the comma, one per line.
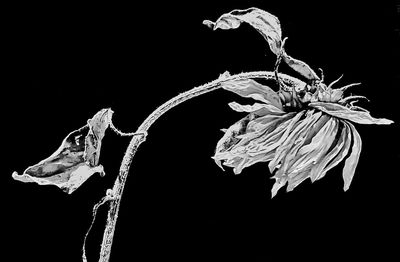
(140,137)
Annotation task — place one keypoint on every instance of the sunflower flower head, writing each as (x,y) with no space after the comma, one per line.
(303,130)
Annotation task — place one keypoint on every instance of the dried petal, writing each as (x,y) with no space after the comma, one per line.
(75,160)
(267,109)
(312,153)
(297,139)
(339,156)
(352,161)
(250,88)
(336,147)
(266,24)
(340,111)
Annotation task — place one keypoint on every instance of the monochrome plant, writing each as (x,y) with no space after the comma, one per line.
(303,129)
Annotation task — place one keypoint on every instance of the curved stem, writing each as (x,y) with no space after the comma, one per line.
(119,184)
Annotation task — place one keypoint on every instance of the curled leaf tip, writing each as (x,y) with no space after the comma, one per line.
(265,23)
(75,160)
(209,24)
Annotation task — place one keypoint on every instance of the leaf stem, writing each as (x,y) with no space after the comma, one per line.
(141,132)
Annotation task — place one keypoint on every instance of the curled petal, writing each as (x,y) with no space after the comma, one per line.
(265,23)
(297,139)
(75,160)
(314,152)
(264,108)
(252,89)
(229,140)
(352,161)
(338,155)
(340,111)
(335,149)
(259,136)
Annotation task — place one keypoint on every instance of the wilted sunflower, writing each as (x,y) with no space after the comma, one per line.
(302,130)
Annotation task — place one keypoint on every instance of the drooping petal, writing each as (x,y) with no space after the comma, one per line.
(310,153)
(271,140)
(336,147)
(341,154)
(343,112)
(283,148)
(295,141)
(266,109)
(352,161)
(252,89)
(266,24)
(75,160)
(279,182)
(314,152)
(297,180)
(296,166)
(236,147)
(229,140)
(268,123)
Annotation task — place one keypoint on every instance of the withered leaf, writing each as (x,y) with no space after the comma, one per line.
(265,23)
(75,160)
(300,67)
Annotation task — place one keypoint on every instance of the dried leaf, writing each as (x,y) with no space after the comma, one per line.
(250,88)
(75,160)
(340,111)
(300,67)
(265,23)
(352,161)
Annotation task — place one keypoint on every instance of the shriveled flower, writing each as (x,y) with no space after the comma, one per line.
(75,160)
(302,131)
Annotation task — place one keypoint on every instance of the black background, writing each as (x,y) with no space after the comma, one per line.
(69,61)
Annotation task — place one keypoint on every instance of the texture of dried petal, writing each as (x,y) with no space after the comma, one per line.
(352,161)
(336,147)
(314,152)
(343,112)
(75,160)
(265,23)
(341,154)
(297,138)
(297,169)
(267,109)
(250,88)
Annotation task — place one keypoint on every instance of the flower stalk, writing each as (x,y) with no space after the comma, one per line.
(115,195)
